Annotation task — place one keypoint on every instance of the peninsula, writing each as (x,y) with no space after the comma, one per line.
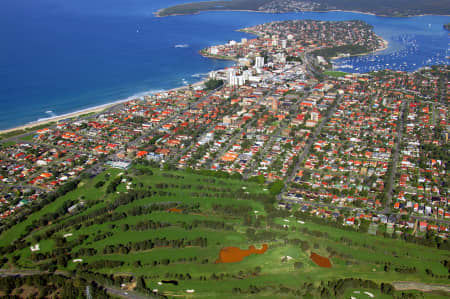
(399,8)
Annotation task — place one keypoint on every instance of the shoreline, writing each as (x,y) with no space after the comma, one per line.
(95,109)
(57,118)
(385,47)
(158,12)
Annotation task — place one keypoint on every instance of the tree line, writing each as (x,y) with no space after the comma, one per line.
(52,285)
(154,243)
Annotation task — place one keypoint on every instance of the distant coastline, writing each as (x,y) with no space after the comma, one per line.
(158,15)
(390,9)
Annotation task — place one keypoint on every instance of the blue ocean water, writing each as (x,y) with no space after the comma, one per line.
(59,56)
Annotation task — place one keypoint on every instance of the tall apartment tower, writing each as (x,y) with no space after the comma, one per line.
(259,62)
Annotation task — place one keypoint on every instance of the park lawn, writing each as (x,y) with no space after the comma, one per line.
(27,137)
(335,73)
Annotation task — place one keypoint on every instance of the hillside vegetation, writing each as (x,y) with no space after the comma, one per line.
(382,7)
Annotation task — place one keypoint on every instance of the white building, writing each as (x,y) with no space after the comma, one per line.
(259,62)
(213,51)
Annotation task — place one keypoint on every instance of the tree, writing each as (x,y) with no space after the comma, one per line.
(213,84)
(258,179)
(140,284)
(276,187)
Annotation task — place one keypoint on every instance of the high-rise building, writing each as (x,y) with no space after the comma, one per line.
(231,75)
(259,62)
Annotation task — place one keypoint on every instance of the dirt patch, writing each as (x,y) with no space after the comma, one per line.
(129,286)
(235,254)
(320,261)
(174,210)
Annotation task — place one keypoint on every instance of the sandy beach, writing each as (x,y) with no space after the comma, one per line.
(61,117)
(95,109)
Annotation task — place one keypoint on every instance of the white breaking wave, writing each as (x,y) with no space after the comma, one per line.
(200,75)
(51,113)
(139,95)
(182,46)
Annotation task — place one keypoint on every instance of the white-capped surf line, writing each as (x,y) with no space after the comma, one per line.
(139,96)
(51,113)
(200,75)
(181,46)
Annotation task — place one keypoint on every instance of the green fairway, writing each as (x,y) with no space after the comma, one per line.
(171,225)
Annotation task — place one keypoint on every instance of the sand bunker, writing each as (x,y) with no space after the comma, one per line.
(235,254)
(320,261)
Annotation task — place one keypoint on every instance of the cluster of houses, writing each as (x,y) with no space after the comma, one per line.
(348,161)
(348,165)
(28,170)
(285,39)
(42,166)
(421,180)
(378,223)
(260,122)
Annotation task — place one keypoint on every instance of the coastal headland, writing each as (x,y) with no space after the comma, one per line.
(379,8)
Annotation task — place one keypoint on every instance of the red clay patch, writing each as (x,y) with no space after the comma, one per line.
(235,254)
(174,210)
(320,261)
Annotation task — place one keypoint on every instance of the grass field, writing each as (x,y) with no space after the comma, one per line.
(213,213)
(335,73)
